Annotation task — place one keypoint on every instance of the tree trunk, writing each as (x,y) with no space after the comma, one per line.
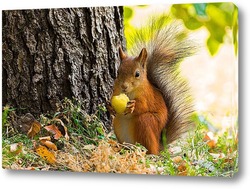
(50,54)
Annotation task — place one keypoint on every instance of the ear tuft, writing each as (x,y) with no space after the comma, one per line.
(122,54)
(142,57)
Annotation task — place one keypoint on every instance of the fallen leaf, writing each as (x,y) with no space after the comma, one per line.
(43,152)
(54,130)
(211,143)
(49,144)
(34,129)
(182,167)
(46,141)
(64,127)
(177,159)
(45,138)
(16,148)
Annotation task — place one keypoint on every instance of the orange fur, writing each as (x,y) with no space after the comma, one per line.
(145,124)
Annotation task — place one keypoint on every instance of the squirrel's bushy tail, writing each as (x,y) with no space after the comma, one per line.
(168,44)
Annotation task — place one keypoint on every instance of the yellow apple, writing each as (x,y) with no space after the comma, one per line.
(119,102)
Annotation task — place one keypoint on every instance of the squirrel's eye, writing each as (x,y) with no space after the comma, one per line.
(137,73)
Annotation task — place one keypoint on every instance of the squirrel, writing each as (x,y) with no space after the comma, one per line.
(160,102)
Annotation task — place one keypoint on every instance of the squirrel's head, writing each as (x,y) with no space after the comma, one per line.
(132,71)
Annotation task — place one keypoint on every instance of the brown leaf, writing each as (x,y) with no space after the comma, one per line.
(43,152)
(64,127)
(46,141)
(49,144)
(211,143)
(34,129)
(54,130)
(182,167)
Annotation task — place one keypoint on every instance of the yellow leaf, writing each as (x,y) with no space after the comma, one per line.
(34,129)
(45,138)
(43,152)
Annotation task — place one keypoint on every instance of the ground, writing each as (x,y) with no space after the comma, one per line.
(71,140)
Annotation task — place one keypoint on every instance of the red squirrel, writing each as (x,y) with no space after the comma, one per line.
(160,104)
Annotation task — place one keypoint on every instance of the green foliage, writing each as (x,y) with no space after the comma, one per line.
(220,19)
(84,129)
(197,158)
(25,158)
(5,114)
(89,127)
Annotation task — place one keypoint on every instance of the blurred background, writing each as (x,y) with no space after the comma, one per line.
(213,72)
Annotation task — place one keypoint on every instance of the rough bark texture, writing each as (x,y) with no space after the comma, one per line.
(50,54)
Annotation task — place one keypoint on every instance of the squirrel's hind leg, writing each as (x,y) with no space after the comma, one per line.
(147,132)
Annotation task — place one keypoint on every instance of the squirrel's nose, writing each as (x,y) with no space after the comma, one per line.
(124,86)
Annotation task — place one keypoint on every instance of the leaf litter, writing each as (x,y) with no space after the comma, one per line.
(75,141)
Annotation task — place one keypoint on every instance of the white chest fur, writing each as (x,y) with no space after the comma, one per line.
(124,127)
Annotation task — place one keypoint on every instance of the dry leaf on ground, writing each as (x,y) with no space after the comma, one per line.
(49,144)
(210,140)
(46,154)
(54,130)
(177,159)
(64,127)
(34,129)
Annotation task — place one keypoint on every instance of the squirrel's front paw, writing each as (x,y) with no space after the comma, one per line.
(110,108)
(130,107)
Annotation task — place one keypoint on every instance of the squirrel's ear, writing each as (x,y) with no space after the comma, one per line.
(122,54)
(142,57)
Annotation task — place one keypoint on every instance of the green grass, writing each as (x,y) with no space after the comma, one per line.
(24,159)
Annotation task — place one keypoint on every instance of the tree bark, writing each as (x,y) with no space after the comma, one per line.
(50,54)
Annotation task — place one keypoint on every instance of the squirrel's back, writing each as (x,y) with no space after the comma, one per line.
(168,44)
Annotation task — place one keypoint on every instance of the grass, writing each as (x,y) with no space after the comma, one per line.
(91,148)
